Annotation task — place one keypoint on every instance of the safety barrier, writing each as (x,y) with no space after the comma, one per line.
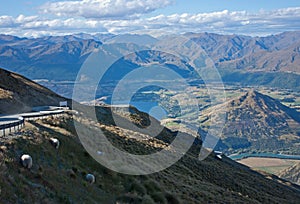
(10,127)
(18,123)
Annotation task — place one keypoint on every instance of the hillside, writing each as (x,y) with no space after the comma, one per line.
(57,175)
(291,174)
(19,94)
(257,122)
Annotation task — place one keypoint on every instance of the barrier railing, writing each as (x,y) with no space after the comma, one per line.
(19,123)
(8,128)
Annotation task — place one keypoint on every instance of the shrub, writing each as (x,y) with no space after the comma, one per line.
(147,200)
(152,186)
(159,198)
(172,198)
(137,187)
(129,198)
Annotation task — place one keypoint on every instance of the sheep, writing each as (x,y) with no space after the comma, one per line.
(54,142)
(26,161)
(90,178)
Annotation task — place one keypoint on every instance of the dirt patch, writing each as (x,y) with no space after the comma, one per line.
(266,162)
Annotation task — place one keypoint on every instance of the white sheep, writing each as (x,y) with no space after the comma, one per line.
(26,161)
(90,178)
(54,142)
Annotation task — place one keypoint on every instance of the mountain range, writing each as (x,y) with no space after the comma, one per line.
(238,58)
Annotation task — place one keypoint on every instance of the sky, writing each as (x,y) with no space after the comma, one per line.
(33,18)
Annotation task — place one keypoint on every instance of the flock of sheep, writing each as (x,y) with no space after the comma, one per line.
(26,160)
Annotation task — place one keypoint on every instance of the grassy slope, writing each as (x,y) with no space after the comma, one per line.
(57,176)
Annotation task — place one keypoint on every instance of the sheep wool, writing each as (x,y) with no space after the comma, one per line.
(26,161)
(55,142)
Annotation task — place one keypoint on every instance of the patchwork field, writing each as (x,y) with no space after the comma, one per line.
(269,165)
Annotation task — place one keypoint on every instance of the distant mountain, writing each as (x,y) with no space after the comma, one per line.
(18,94)
(292,173)
(239,58)
(57,57)
(97,37)
(272,53)
(134,38)
(257,122)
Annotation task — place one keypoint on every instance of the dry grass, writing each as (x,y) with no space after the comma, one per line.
(270,165)
(58,176)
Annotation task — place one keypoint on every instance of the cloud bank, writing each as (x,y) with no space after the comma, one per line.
(103,9)
(120,16)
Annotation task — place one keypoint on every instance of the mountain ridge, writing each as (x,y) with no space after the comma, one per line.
(257,122)
(274,53)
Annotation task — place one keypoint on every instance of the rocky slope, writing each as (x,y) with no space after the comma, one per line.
(292,173)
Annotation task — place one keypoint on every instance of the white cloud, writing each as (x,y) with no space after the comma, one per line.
(103,8)
(239,22)
(7,21)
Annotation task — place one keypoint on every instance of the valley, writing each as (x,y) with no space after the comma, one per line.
(169,113)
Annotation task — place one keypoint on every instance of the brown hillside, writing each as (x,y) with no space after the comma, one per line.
(255,118)
(57,176)
(19,94)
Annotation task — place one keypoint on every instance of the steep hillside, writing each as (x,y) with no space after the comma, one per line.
(257,122)
(58,175)
(292,173)
(18,94)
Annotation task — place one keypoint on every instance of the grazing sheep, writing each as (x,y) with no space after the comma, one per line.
(54,142)
(26,161)
(90,178)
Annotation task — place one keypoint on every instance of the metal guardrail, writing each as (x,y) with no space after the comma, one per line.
(19,122)
(12,127)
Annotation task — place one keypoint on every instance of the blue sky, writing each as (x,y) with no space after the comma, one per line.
(56,17)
